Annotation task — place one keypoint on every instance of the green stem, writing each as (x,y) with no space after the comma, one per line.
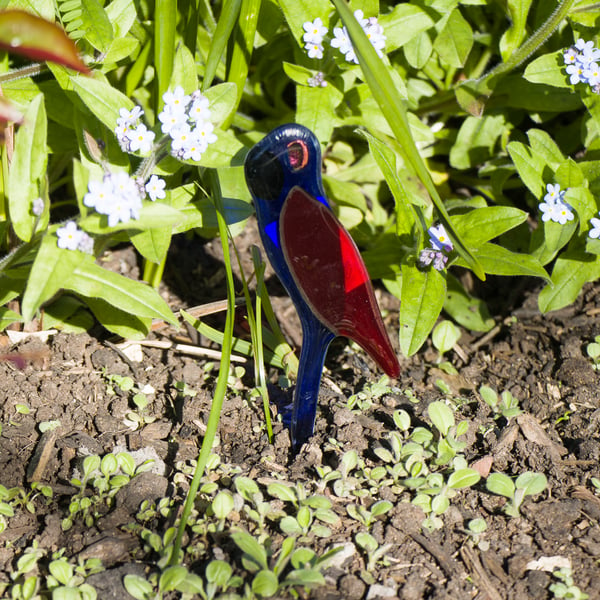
(221,387)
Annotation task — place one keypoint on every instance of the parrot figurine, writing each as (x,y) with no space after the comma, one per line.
(317,262)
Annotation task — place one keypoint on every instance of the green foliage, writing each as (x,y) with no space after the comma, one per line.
(565,587)
(526,484)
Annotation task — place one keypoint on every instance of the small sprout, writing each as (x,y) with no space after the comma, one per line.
(506,406)
(444,336)
(566,587)
(527,484)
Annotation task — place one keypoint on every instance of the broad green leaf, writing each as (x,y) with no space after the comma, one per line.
(165,17)
(571,271)
(544,146)
(153,244)
(171,577)
(103,100)
(466,310)
(96,24)
(222,101)
(532,483)
(120,322)
(441,415)
(531,167)
(183,72)
(454,42)
(584,203)
(27,169)
(445,334)
(423,294)
(484,224)
(92,281)
(497,260)
(122,15)
(51,268)
(405,23)
(548,69)
(549,238)
(476,139)
(152,215)
(315,107)
(463,478)
(569,174)
(248,544)
(38,39)
(418,51)
(227,151)
(500,484)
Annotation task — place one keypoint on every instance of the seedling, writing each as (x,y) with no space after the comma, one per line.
(566,587)
(526,484)
(506,406)
(593,351)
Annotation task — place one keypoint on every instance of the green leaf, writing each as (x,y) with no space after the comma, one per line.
(551,237)
(282,492)
(532,483)
(222,101)
(248,544)
(530,166)
(315,107)
(423,294)
(405,23)
(445,334)
(138,587)
(476,139)
(571,271)
(441,416)
(500,484)
(153,244)
(483,224)
(122,15)
(51,268)
(548,69)
(120,322)
(27,168)
(218,572)
(171,577)
(463,478)
(61,570)
(265,583)
(543,145)
(103,100)
(465,309)
(455,41)
(137,298)
(497,260)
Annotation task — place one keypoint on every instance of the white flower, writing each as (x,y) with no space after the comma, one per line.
(315,31)
(117,196)
(171,119)
(553,192)
(576,73)
(69,236)
(342,41)
(176,100)
(314,50)
(359,15)
(570,56)
(563,213)
(37,207)
(439,239)
(181,137)
(199,110)
(155,188)
(594,233)
(194,148)
(204,131)
(592,74)
(140,138)
(86,243)
(318,80)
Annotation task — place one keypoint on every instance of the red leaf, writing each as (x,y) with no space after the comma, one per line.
(36,38)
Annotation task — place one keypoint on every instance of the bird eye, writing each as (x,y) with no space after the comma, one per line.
(297,154)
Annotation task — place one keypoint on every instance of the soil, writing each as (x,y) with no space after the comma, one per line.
(539,359)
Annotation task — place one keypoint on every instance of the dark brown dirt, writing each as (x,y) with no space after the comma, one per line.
(541,360)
